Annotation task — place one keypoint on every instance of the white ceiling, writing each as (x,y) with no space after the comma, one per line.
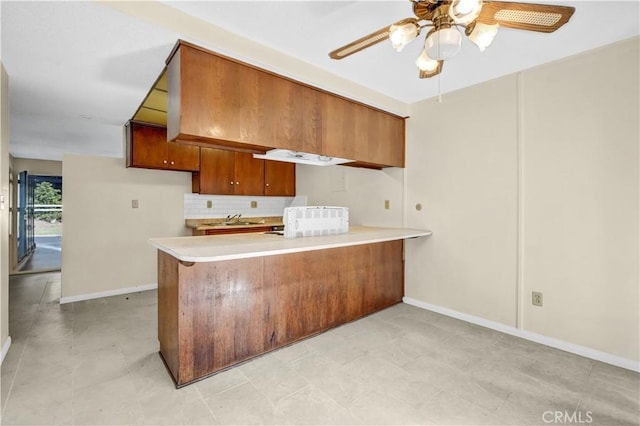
(79,70)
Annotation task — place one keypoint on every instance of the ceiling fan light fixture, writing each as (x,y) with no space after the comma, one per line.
(401,35)
(482,34)
(425,63)
(443,43)
(465,11)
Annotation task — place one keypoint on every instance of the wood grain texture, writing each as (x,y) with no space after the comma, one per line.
(217,175)
(182,157)
(147,147)
(230,311)
(249,174)
(225,103)
(279,179)
(224,172)
(168,311)
(338,127)
(222,307)
(351,130)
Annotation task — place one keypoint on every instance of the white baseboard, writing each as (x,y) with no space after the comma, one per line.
(528,335)
(5,348)
(108,293)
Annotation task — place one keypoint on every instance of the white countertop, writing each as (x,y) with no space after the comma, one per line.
(212,248)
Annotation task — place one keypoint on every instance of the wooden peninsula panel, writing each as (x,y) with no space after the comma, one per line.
(212,315)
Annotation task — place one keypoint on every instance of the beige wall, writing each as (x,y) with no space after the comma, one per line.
(104,244)
(547,161)
(362,190)
(580,194)
(4,213)
(37,167)
(462,168)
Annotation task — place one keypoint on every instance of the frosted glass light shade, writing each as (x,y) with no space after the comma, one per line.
(465,11)
(425,63)
(482,35)
(401,35)
(443,44)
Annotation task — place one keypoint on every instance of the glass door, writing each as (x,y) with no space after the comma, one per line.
(24,210)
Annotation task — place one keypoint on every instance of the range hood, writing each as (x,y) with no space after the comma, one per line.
(301,157)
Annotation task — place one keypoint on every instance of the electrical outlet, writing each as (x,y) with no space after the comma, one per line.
(209,204)
(536,298)
(386,204)
(134,204)
(254,204)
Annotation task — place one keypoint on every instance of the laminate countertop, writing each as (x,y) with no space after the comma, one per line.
(212,248)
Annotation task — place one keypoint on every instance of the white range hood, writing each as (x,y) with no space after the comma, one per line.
(301,157)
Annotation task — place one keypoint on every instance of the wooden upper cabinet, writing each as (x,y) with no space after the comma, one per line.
(290,114)
(352,130)
(216,101)
(338,127)
(147,147)
(229,173)
(279,178)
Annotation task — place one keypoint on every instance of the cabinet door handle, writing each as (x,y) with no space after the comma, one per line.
(164,162)
(172,163)
(237,183)
(231,183)
(267,185)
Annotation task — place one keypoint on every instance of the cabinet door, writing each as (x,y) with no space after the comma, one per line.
(211,98)
(379,137)
(290,116)
(147,146)
(338,127)
(355,131)
(279,178)
(216,171)
(249,174)
(183,157)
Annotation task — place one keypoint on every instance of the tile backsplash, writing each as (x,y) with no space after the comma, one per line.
(195,205)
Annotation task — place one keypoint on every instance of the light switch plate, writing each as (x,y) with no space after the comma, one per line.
(209,204)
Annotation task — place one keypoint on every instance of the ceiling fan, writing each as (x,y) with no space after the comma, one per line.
(479,19)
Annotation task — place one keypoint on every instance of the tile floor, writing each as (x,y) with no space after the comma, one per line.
(46,257)
(96,362)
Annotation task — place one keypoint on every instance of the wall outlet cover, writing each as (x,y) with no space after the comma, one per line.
(536,298)
(134,204)
(254,204)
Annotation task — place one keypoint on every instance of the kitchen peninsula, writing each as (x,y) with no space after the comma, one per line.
(224,299)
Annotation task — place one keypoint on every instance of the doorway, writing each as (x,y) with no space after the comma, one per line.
(39,223)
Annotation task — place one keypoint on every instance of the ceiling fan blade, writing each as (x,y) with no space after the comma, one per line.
(544,18)
(366,41)
(429,74)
